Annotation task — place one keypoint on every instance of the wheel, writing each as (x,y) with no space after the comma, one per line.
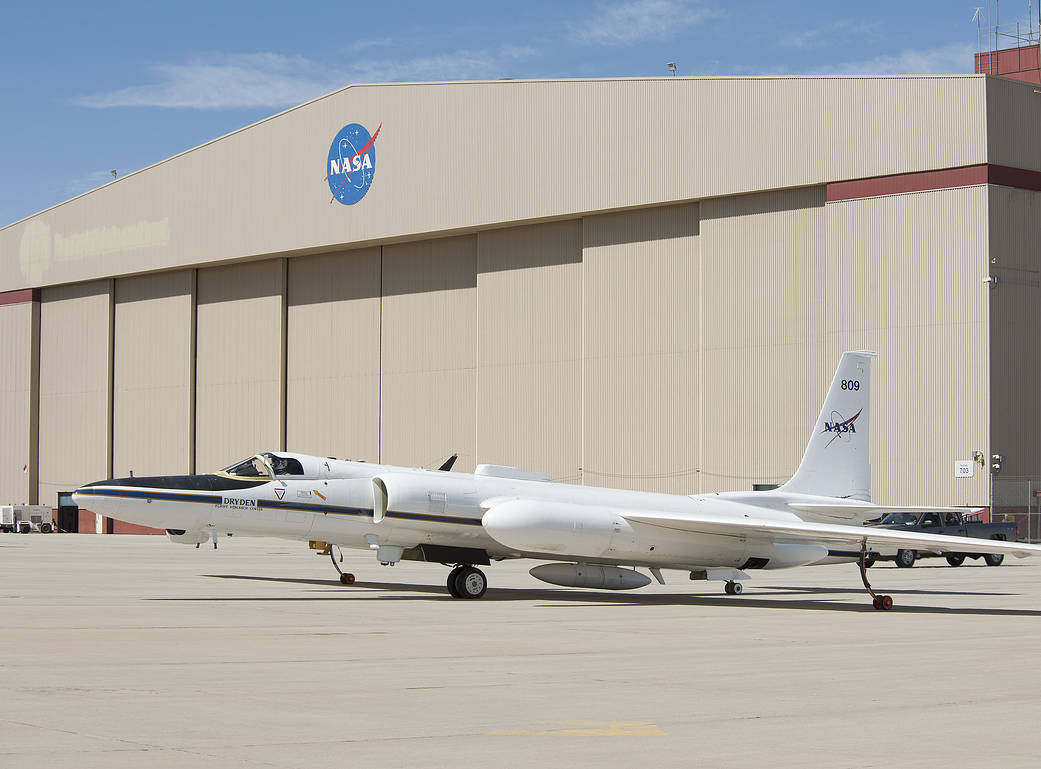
(470,582)
(346,578)
(994,559)
(876,603)
(733,588)
(451,582)
(905,558)
(869,561)
(955,559)
(885,602)
(45,528)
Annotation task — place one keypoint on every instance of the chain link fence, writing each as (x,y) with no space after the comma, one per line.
(1018,500)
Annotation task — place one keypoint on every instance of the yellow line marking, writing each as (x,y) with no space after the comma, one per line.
(594,729)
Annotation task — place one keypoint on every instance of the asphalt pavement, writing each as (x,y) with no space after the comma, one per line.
(131,651)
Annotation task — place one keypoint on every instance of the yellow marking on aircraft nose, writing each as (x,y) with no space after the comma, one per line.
(318,493)
(594,729)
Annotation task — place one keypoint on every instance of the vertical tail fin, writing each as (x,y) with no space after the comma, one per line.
(837,458)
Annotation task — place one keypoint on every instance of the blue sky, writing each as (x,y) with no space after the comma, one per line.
(90,87)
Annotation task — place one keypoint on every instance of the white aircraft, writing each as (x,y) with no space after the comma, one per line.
(598,537)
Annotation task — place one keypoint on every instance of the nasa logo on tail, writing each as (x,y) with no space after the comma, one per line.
(352,163)
(840,427)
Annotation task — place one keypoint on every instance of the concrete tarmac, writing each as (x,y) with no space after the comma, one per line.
(131,651)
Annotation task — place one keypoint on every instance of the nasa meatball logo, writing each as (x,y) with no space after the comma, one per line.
(352,163)
(840,427)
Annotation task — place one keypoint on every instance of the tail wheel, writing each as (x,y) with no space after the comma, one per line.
(733,588)
(956,559)
(882,602)
(346,578)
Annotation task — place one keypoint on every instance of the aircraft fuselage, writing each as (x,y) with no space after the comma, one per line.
(380,506)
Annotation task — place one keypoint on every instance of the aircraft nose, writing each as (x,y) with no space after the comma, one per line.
(89,497)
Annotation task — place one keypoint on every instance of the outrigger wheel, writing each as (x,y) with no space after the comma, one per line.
(346,578)
(880,602)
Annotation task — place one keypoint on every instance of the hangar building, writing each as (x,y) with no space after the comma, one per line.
(642,283)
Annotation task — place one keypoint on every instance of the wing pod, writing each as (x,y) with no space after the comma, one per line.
(590,575)
(537,526)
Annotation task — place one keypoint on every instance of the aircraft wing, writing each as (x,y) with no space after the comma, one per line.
(874,511)
(827,534)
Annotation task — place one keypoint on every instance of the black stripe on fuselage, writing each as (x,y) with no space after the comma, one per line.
(206,482)
(274,504)
(149,494)
(844,554)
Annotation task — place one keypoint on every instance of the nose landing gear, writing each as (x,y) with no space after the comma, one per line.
(880,602)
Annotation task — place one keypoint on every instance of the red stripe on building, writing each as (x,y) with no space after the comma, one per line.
(20,297)
(1020,63)
(1014,177)
(924,181)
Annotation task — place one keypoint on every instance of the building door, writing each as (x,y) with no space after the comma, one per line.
(68,513)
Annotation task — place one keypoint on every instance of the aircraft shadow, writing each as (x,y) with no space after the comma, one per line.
(592,598)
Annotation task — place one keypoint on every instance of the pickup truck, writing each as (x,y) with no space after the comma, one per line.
(948,524)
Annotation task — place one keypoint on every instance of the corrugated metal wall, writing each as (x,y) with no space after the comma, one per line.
(333,403)
(682,348)
(75,368)
(454,156)
(1015,330)
(762,377)
(428,391)
(16,390)
(1013,112)
(529,348)
(641,303)
(904,277)
(239,362)
(152,375)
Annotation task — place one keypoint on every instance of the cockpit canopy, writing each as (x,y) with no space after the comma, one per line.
(258,466)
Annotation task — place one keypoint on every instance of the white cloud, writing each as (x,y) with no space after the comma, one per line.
(72,187)
(944,59)
(640,20)
(247,80)
(223,81)
(836,32)
(461,65)
(954,57)
(364,45)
